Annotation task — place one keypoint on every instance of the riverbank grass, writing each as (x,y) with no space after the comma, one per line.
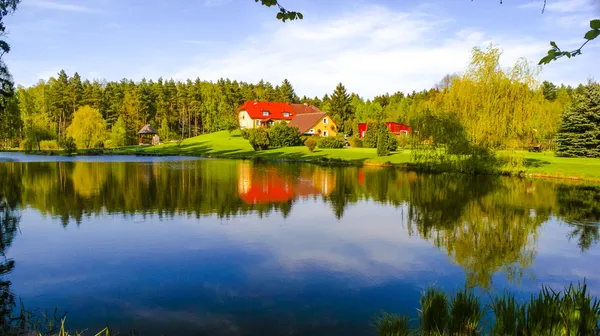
(225,145)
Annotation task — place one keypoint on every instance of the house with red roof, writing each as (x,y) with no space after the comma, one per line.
(308,118)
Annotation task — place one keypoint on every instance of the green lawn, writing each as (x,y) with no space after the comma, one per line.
(222,144)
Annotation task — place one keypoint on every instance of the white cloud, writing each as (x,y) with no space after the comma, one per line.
(58,6)
(372,50)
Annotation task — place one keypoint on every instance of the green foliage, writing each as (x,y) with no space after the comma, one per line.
(283,13)
(311,143)
(371,134)
(355,141)
(49,145)
(26,145)
(392,325)
(69,145)
(570,312)
(118,134)
(555,52)
(402,141)
(88,127)
(433,315)
(164,131)
(281,135)
(330,142)
(245,134)
(392,141)
(340,109)
(579,134)
(465,313)
(259,139)
(383,141)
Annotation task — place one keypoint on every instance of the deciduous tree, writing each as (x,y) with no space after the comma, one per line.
(88,127)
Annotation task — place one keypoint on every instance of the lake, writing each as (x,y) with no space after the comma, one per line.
(221,247)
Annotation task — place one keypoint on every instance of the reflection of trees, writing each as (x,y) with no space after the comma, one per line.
(485,224)
(579,206)
(9,219)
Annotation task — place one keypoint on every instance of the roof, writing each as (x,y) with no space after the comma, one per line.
(255,110)
(306,120)
(305,108)
(148,129)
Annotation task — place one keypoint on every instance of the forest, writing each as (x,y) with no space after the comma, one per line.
(185,109)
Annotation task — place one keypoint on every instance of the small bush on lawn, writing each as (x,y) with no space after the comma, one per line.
(259,139)
(245,134)
(355,142)
(68,144)
(311,143)
(49,145)
(331,142)
(26,145)
(281,135)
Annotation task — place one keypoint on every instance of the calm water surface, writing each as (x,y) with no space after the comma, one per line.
(211,247)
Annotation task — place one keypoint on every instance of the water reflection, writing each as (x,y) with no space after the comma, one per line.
(270,236)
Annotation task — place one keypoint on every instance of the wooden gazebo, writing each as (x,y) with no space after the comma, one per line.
(146,134)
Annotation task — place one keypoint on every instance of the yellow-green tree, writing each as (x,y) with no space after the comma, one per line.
(497,107)
(88,127)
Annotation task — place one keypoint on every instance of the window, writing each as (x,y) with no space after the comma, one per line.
(312,131)
(324,133)
(258,123)
(324,120)
(286,114)
(265,113)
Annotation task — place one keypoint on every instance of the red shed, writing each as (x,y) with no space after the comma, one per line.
(395,127)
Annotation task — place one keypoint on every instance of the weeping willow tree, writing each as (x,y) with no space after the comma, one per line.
(485,109)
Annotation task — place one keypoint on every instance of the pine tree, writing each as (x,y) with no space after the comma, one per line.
(340,107)
(287,92)
(75,92)
(579,134)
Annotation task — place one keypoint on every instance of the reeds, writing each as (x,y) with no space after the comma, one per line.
(572,312)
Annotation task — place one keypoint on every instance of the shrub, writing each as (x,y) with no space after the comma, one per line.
(382,142)
(68,144)
(355,141)
(259,139)
(403,141)
(331,142)
(26,145)
(370,139)
(311,143)
(109,144)
(392,142)
(245,134)
(304,138)
(281,135)
(99,144)
(49,145)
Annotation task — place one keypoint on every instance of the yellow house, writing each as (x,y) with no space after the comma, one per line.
(318,123)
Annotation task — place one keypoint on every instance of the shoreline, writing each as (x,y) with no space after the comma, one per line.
(323,161)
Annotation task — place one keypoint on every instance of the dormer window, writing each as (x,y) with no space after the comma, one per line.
(286,114)
(265,113)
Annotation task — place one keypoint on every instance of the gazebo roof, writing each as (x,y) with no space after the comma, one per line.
(148,129)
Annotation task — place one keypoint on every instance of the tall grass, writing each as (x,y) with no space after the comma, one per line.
(572,312)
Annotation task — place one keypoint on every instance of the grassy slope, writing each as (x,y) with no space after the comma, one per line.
(221,144)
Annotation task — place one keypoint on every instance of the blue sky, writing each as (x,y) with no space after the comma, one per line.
(372,46)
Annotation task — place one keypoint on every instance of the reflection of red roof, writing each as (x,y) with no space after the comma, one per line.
(255,110)
(269,189)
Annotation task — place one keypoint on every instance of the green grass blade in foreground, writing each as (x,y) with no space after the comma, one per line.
(433,316)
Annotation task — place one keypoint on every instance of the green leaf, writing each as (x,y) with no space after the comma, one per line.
(592,34)
(568,54)
(280,16)
(595,24)
(552,43)
(300,16)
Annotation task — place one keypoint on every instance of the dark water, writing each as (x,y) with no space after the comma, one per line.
(211,247)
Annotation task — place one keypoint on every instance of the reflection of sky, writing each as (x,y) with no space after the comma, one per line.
(307,273)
